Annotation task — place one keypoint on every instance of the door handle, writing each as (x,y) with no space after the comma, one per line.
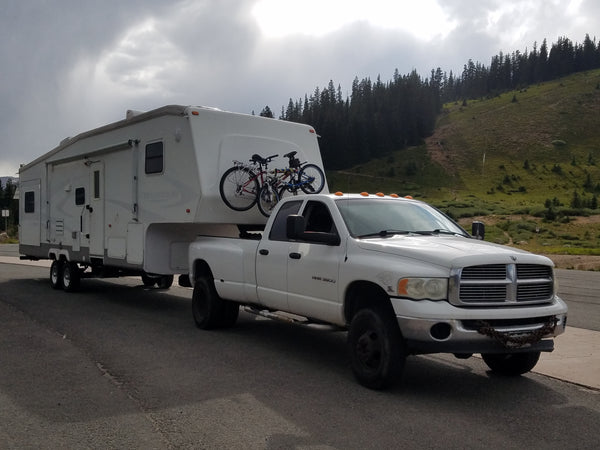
(263,251)
(295,255)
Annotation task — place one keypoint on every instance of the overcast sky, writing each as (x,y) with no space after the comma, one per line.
(71,65)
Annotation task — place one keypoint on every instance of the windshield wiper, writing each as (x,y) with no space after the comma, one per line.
(438,231)
(383,233)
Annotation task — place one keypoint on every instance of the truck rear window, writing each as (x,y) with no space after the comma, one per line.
(278,230)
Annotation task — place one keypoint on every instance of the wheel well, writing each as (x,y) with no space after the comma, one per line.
(201,268)
(54,257)
(361,294)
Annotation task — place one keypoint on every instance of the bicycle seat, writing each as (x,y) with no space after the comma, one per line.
(257,159)
(290,154)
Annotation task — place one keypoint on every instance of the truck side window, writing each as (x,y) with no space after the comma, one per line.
(80,196)
(154,157)
(29,202)
(318,218)
(278,230)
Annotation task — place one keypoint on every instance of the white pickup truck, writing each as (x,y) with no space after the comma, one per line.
(398,274)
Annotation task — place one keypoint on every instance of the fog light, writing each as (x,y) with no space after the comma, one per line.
(440,331)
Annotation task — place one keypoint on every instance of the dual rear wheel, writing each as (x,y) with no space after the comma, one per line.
(65,275)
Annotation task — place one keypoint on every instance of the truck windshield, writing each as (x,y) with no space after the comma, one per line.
(382,217)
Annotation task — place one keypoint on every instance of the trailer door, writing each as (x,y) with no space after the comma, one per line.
(29,213)
(95,209)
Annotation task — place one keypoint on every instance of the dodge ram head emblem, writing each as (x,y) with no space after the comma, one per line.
(514,258)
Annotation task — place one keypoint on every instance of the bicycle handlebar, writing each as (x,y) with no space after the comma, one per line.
(257,159)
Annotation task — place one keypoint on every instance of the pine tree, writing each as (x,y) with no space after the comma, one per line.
(266,112)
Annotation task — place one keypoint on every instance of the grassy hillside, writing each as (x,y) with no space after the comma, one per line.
(506,156)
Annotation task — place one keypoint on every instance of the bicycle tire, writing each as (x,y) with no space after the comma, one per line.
(285,192)
(312,179)
(239,188)
(267,199)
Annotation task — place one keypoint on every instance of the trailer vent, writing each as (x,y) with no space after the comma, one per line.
(502,284)
(59,227)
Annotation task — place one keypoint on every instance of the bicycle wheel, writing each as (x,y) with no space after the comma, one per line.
(239,188)
(285,192)
(267,199)
(311,179)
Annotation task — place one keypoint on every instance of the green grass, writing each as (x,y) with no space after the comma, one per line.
(499,157)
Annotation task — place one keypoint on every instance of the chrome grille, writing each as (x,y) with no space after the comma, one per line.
(508,284)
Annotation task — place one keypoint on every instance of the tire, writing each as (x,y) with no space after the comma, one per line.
(56,270)
(149,280)
(71,277)
(511,364)
(209,310)
(239,188)
(284,192)
(165,281)
(376,348)
(267,199)
(312,179)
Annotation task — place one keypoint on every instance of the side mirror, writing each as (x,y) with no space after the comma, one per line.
(296,229)
(478,230)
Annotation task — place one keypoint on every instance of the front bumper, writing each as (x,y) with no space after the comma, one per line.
(439,327)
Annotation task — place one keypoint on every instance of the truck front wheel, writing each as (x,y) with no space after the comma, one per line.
(511,364)
(376,348)
(211,311)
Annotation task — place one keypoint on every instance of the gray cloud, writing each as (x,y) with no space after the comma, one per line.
(71,65)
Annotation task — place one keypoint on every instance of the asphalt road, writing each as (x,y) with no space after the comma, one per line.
(118,365)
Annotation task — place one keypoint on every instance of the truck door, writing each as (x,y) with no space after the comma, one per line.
(95,209)
(313,268)
(271,260)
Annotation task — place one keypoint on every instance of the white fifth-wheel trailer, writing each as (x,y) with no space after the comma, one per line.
(129,197)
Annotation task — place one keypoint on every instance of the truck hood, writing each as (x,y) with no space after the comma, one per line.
(449,251)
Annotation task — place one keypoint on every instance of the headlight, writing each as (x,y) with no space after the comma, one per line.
(423,288)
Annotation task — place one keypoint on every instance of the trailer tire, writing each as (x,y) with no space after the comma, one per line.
(209,310)
(376,348)
(165,282)
(511,364)
(56,270)
(149,280)
(71,277)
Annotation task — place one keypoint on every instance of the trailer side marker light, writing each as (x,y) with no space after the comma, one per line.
(364,194)
(380,194)
(339,193)
(188,210)
(394,196)
(311,131)
(408,197)
(195,113)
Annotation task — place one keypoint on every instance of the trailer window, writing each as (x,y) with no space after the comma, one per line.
(154,157)
(29,201)
(80,196)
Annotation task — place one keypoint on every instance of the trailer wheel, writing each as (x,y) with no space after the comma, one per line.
(71,276)
(149,280)
(376,348)
(165,281)
(209,310)
(56,270)
(511,364)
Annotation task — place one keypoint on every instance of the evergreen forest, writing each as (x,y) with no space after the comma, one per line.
(383,116)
